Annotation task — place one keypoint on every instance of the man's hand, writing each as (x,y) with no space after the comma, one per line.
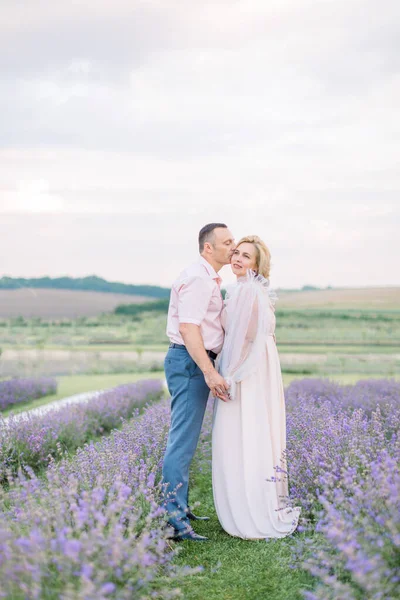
(195,346)
(217,384)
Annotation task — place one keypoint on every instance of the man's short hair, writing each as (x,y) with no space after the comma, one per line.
(206,233)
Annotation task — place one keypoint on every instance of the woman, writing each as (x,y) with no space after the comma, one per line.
(249,430)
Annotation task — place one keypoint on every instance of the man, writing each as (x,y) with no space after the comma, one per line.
(196,335)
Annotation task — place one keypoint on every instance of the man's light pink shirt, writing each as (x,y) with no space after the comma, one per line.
(196,298)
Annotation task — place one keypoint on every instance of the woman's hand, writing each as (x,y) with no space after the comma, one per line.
(217,384)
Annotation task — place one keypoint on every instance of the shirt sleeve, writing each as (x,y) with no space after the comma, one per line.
(193,300)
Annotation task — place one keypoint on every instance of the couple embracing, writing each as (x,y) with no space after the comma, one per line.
(249,427)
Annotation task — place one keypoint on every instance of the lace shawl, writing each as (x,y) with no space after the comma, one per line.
(248,309)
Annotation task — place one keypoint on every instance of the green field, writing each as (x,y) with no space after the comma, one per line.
(317,334)
(306,326)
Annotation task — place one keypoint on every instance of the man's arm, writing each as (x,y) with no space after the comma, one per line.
(194,344)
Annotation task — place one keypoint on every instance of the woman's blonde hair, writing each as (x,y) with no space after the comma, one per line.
(263,255)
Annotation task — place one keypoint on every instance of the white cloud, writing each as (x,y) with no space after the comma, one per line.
(80,67)
(31,197)
(278,117)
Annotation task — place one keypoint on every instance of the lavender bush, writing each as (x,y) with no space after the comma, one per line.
(322,441)
(367,394)
(358,553)
(343,452)
(93,528)
(32,441)
(15,391)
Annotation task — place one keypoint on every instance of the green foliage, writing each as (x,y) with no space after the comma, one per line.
(310,288)
(91,283)
(160,306)
(18,322)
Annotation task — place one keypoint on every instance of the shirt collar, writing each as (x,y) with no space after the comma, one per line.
(210,270)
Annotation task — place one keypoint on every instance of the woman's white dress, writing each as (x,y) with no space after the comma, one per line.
(249,431)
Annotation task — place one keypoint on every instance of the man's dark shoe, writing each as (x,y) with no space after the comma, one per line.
(188,535)
(193,517)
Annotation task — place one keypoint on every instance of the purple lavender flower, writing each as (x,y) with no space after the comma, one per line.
(343,452)
(35,440)
(15,391)
(93,527)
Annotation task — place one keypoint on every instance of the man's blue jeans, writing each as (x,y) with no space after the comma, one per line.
(189,395)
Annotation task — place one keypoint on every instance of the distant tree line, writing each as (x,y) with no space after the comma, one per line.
(97,284)
(305,288)
(91,283)
(134,310)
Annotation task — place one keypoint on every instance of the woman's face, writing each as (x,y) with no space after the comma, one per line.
(244,257)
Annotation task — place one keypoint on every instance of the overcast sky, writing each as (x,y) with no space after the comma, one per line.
(126,125)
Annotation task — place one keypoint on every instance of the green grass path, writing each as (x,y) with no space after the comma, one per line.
(236,569)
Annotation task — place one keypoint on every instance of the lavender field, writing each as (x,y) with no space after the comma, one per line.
(19,390)
(344,456)
(35,440)
(93,528)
